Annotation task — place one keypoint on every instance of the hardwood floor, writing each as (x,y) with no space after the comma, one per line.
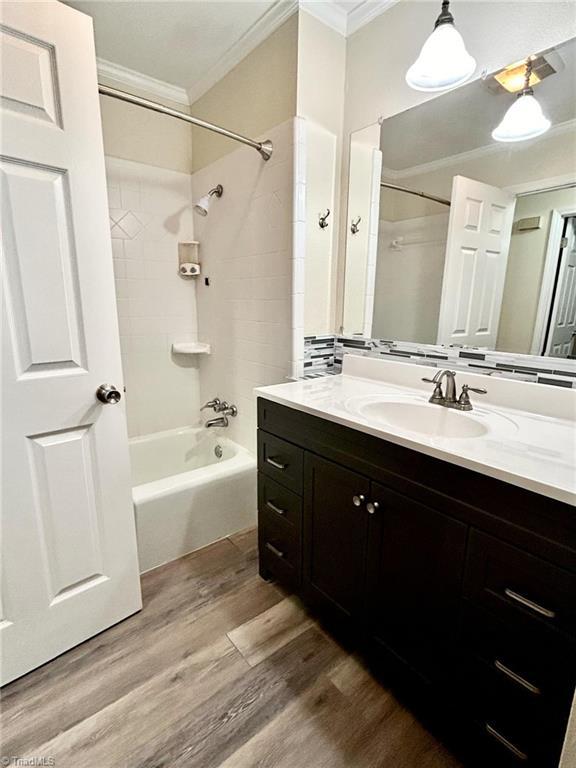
(219,670)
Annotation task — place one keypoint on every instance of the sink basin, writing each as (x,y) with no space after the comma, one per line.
(425,419)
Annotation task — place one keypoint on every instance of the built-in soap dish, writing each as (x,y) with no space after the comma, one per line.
(190,348)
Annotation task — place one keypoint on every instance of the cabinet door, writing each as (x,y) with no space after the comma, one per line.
(335,535)
(415,567)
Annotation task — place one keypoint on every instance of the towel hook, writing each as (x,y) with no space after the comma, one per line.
(354,228)
(322,223)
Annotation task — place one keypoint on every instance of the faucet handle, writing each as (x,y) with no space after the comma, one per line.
(214,404)
(437,395)
(464,403)
(478,390)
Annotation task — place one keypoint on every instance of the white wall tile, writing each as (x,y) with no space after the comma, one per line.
(152,208)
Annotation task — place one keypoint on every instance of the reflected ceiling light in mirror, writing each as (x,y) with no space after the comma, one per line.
(524,119)
(444,61)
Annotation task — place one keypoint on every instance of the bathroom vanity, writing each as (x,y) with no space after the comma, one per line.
(445,543)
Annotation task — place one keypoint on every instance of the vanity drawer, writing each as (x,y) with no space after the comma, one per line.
(535,665)
(279,549)
(280,460)
(497,744)
(518,586)
(278,501)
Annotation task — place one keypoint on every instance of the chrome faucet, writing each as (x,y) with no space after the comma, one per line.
(220,406)
(448,399)
(219,421)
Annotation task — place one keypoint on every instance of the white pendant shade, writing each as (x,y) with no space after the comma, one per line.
(443,63)
(523,120)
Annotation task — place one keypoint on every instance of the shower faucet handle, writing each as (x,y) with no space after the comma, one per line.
(227,409)
(214,404)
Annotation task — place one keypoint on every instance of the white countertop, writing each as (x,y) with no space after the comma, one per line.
(532,446)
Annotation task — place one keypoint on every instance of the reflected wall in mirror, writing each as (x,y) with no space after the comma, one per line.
(471,241)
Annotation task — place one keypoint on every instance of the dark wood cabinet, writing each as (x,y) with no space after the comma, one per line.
(415,568)
(464,585)
(335,532)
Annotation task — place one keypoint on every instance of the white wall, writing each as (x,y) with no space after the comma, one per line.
(256,95)
(320,102)
(153,208)
(409,279)
(246,252)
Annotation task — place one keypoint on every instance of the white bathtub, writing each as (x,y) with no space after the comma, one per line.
(185,496)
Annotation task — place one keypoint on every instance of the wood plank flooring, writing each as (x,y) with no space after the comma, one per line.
(219,670)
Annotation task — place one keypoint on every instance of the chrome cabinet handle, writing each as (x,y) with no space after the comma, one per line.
(504,741)
(529,604)
(516,678)
(274,508)
(273,549)
(276,463)
(108,394)
(372,506)
(357,500)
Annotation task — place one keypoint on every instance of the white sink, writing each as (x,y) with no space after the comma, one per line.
(433,420)
(411,412)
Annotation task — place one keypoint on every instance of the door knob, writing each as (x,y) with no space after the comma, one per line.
(372,507)
(357,500)
(108,394)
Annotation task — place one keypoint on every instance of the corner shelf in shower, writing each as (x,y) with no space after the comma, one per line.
(191,348)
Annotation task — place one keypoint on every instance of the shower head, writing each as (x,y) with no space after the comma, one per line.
(202,206)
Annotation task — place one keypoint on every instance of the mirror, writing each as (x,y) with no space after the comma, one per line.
(460,239)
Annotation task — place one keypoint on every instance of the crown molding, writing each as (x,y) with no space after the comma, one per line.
(334,16)
(266,24)
(145,83)
(365,12)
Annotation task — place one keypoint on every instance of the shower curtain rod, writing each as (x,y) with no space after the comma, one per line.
(264,148)
(440,200)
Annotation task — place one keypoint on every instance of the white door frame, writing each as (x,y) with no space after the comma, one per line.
(548,276)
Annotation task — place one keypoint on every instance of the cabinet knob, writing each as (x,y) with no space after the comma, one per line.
(372,506)
(357,500)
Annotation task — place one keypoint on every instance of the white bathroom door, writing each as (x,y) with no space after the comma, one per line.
(563,320)
(69,560)
(475,266)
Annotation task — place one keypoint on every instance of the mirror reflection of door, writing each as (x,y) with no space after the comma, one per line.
(561,332)
(475,264)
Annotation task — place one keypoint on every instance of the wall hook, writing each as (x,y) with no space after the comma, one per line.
(354,226)
(322,223)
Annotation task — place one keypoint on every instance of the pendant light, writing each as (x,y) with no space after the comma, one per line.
(444,61)
(524,119)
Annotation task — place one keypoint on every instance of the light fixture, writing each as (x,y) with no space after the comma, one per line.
(203,205)
(513,78)
(444,61)
(524,119)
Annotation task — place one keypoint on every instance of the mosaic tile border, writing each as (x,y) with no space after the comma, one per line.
(323,356)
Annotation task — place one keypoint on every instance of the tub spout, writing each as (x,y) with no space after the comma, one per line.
(220,421)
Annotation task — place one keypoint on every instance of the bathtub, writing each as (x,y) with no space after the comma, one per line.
(191,487)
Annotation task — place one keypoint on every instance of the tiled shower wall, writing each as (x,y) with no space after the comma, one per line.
(245,290)
(323,355)
(150,212)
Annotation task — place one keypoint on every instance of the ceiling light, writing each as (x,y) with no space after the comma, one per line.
(513,78)
(524,119)
(444,61)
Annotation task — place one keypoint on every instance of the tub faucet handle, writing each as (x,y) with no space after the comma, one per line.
(214,404)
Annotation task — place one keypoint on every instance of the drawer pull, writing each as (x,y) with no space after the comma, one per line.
(274,508)
(517,678)
(275,463)
(273,549)
(529,604)
(508,744)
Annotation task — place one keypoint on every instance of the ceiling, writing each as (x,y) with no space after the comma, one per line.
(436,130)
(180,49)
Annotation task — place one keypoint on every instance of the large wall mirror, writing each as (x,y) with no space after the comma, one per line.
(456,238)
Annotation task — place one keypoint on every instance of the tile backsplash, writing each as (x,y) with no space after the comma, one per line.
(323,355)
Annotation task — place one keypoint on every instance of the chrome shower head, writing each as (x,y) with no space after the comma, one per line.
(202,206)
